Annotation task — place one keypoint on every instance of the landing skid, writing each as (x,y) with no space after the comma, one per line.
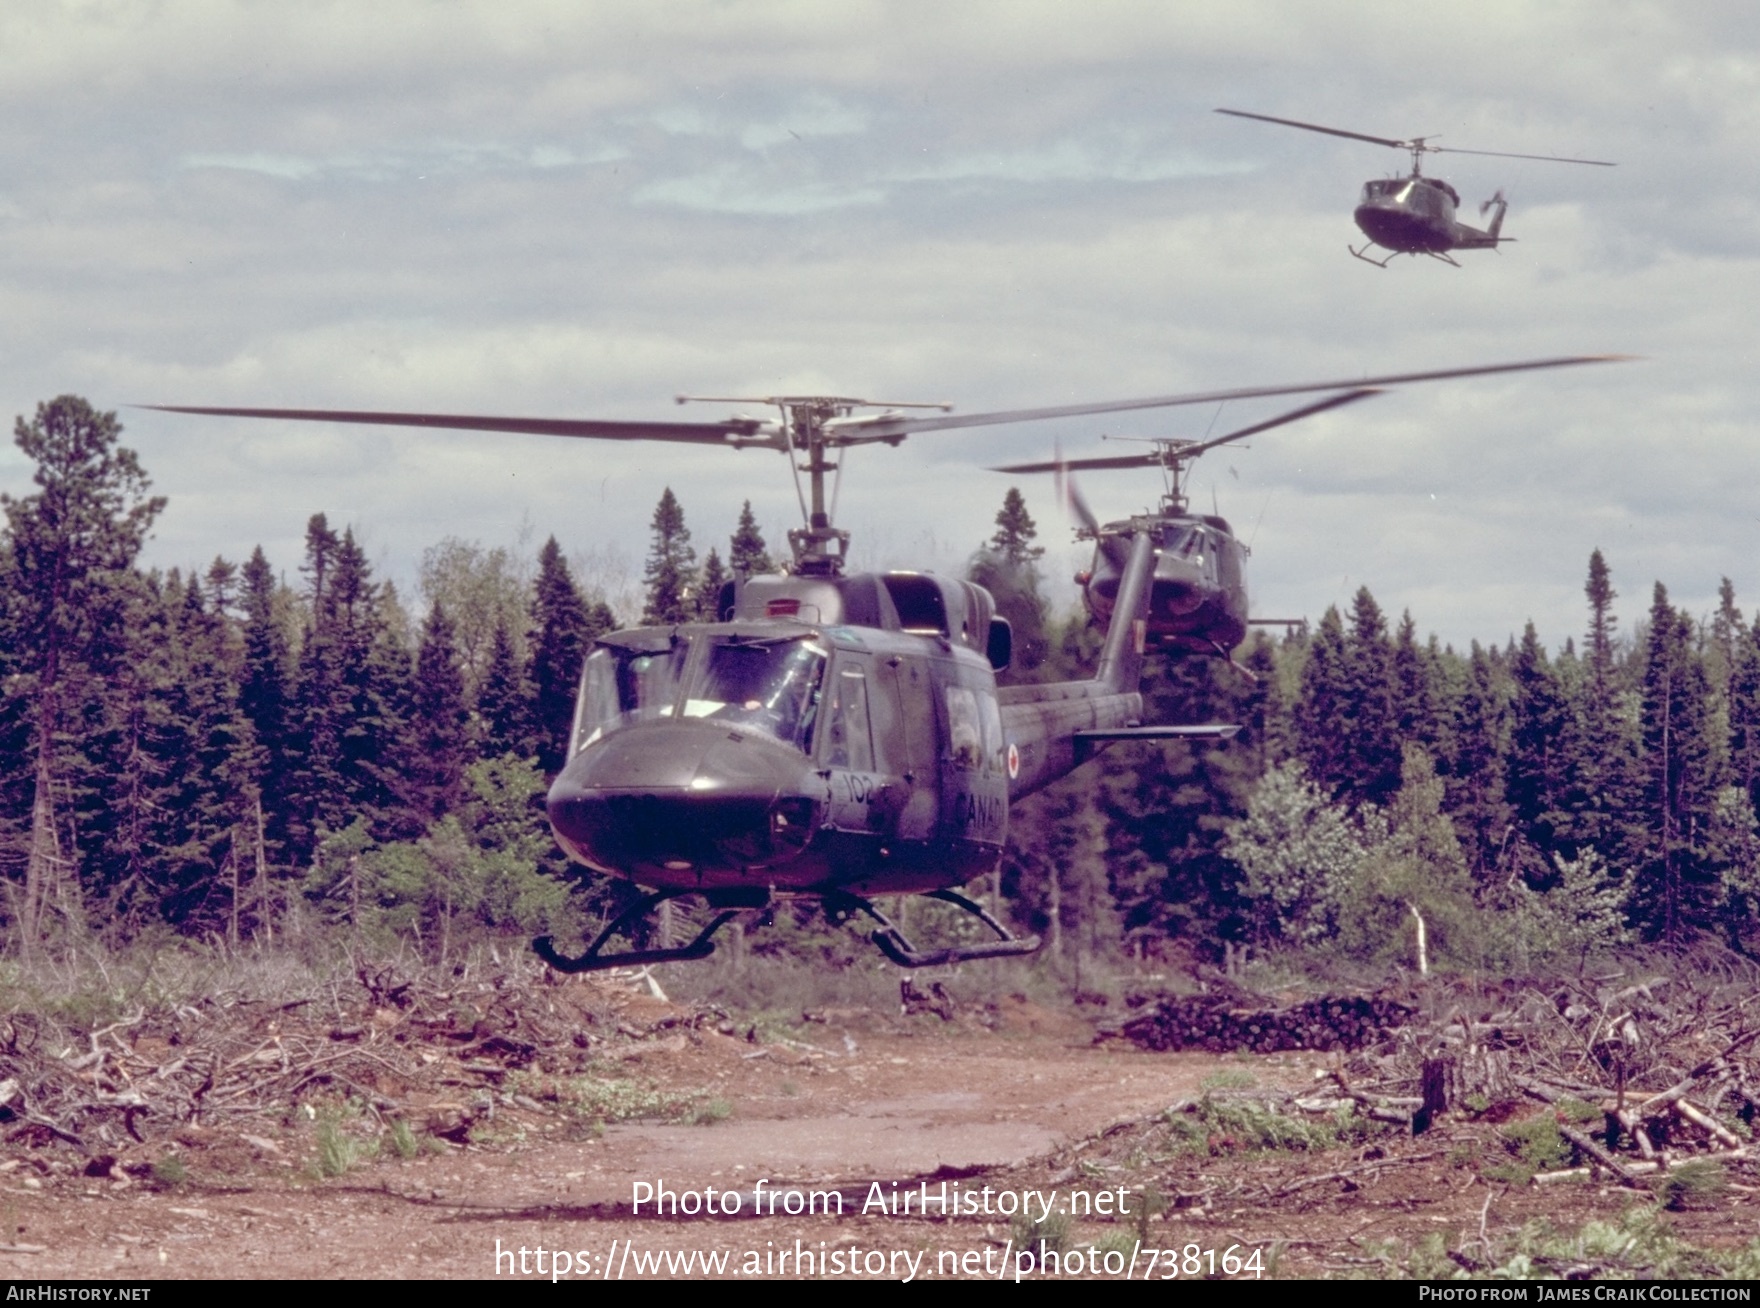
(1394,254)
(1227,657)
(894,945)
(731,903)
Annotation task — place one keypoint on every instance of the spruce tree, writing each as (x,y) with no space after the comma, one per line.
(1537,776)
(1008,568)
(671,566)
(1677,888)
(432,777)
(504,703)
(748,555)
(263,694)
(71,543)
(1744,714)
(1169,808)
(1323,712)
(1370,688)
(1016,532)
(351,686)
(1602,622)
(1726,632)
(563,629)
(1476,798)
(1418,690)
(709,587)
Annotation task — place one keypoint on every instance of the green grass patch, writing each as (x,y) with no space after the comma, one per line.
(1696,1184)
(403,1140)
(1053,1230)
(598,1099)
(709,1112)
(1222,1125)
(1637,1243)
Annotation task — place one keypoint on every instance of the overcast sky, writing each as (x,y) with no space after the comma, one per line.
(582,209)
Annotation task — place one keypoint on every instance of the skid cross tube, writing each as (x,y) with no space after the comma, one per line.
(732,904)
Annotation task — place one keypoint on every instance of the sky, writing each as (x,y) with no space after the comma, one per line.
(562,208)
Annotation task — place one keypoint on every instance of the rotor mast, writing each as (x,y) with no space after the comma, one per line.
(819,548)
(811,427)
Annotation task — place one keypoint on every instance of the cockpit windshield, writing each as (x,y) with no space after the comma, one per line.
(627,683)
(769,683)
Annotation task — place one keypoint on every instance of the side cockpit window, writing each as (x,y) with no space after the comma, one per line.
(849,740)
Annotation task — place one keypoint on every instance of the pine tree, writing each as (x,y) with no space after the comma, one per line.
(70,542)
(671,565)
(748,555)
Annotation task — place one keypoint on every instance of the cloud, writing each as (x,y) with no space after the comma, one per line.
(550,207)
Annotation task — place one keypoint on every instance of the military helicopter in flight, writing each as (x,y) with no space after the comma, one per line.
(1415,214)
(1198,594)
(829,735)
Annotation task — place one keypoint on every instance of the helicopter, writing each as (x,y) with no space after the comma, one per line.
(829,735)
(1198,595)
(1415,214)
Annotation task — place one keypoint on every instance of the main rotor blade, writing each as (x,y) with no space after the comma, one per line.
(1503,154)
(1191,450)
(1307,410)
(1315,127)
(732,431)
(896,428)
(1114,461)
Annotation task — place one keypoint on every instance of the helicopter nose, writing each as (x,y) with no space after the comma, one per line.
(665,802)
(1178,587)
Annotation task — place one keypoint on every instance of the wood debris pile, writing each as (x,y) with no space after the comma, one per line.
(1637,1076)
(395,1046)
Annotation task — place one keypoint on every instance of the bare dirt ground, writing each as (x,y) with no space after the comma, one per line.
(505,1147)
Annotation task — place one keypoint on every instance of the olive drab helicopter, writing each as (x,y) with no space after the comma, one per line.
(830,735)
(1198,593)
(1415,214)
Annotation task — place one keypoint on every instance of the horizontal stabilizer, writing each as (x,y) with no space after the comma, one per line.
(1206,731)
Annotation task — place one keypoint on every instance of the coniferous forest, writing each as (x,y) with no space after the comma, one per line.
(226,752)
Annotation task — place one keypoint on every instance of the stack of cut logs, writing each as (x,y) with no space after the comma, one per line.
(1219,1025)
